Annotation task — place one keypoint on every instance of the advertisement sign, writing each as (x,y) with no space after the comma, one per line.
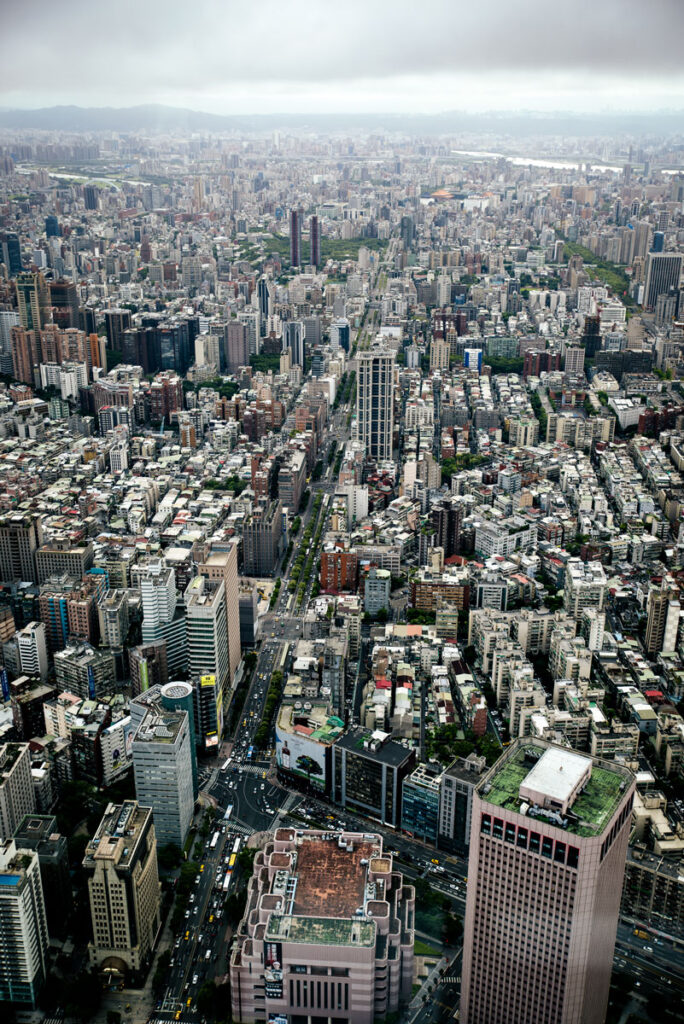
(128,737)
(273,954)
(144,676)
(91,682)
(4,681)
(301,756)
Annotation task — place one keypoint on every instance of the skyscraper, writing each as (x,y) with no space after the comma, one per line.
(23,925)
(120,863)
(293,339)
(315,241)
(10,253)
(223,565)
(162,766)
(375,401)
(663,272)
(33,300)
(663,609)
(549,833)
(295,238)
(162,618)
(21,534)
(236,346)
(207,633)
(16,789)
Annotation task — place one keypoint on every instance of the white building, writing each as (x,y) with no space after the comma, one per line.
(23,927)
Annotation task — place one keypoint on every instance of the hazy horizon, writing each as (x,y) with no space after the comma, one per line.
(615,56)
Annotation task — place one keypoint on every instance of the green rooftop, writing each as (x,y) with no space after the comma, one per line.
(589,813)
(331,931)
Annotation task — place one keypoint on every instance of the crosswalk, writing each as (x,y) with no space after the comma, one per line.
(242,830)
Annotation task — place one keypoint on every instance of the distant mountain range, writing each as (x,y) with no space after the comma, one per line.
(152,118)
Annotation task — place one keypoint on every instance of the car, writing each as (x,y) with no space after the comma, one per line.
(187,914)
(262,786)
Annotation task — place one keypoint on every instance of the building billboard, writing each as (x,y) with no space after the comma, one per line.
(301,756)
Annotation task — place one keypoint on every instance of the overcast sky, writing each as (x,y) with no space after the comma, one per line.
(272,56)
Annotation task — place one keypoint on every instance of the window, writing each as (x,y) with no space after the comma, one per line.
(498,828)
(534,842)
(547,847)
(486,828)
(559,853)
(573,856)
(522,838)
(510,833)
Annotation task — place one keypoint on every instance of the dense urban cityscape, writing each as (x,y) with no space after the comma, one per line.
(341,574)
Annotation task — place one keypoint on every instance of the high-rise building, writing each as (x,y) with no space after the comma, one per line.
(407,231)
(33,655)
(116,322)
(663,609)
(456,788)
(180,696)
(90,197)
(39,832)
(23,925)
(148,666)
(264,298)
(332,936)
(16,789)
(293,341)
(162,767)
(663,272)
(236,348)
(447,519)
(574,359)
(33,300)
(64,302)
(262,536)
(85,670)
(375,401)
(21,534)
(585,587)
(549,833)
(8,320)
(206,629)
(10,253)
(295,238)
(315,241)
(340,334)
(120,863)
(368,774)
(162,618)
(220,564)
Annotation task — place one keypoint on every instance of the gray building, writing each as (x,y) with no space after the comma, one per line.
(368,774)
(262,536)
(455,802)
(23,926)
(39,832)
(162,766)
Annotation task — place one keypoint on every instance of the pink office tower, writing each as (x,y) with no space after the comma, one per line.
(548,845)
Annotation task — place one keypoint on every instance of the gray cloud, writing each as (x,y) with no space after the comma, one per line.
(83,51)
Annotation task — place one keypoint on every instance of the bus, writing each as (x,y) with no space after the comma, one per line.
(226,881)
(236,845)
(231,862)
(214,840)
(226,765)
(229,811)
(250,753)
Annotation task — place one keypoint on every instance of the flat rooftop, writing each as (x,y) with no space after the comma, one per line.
(591,811)
(326,931)
(331,880)
(557,775)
